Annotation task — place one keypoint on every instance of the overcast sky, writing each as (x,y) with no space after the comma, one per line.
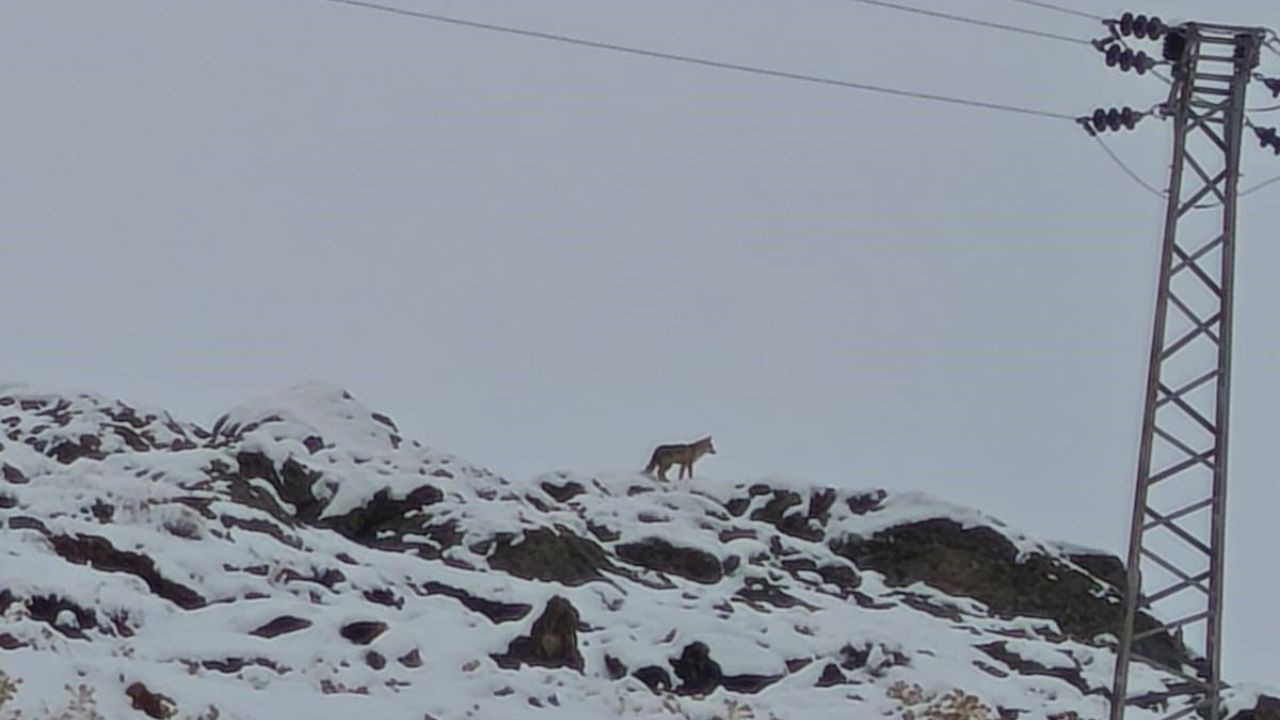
(545,257)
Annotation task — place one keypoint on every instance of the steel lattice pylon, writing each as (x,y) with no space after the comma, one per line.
(1176,545)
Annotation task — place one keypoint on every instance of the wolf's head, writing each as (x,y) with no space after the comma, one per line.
(704,445)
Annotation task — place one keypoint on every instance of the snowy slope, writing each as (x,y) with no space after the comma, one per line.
(302,557)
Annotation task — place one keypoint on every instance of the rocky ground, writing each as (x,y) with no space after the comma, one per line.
(301,556)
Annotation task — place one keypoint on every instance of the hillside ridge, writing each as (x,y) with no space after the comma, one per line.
(302,555)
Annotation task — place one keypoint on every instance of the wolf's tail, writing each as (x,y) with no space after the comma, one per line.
(653,464)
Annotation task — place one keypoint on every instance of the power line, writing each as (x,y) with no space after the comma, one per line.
(1059,8)
(972,21)
(704,62)
(1163,195)
(598,45)
(1128,170)
(1272,43)
(1260,186)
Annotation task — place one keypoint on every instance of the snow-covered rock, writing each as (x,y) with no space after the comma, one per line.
(302,557)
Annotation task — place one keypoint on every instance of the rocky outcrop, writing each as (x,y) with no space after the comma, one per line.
(658,554)
(551,642)
(304,548)
(550,555)
(983,564)
(1268,708)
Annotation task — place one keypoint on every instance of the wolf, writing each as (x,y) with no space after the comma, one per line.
(664,456)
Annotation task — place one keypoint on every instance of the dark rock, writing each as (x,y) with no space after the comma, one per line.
(328,578)
(737,506)
(103,511)
(831,675)
(730,534)
(748,684)
(777,506)
(411,659)
(384,596)
(375,660)
(565,492)
(46,608)
(363,632)
(820,502)
(798,565)
(797,664)
(658,554)
(614,667)
(1108,568)
(1024,666)
(365,524)
(980,563)
(603,533)
(260,525)
(153,704)
(551,642)
(845,577)
(23,522)
(120,621)
(293,482)
(12,474)
(280,626)
(933,606)
(445,534)
(698,673)
(852,658)
(497,612)
(758,591)
(99,553)
(313,444)
(655,678)
(1268,708)
(551,557)
(7,501)
(797,525)
(9,642)
(991,670)
(67,452)
(864,503)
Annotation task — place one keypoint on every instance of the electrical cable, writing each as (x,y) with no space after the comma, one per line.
(1128,170)
(1274,43)
(1059,8)
(785,75)
(1163,195)
(972,21)
(801,77)
(1259,186)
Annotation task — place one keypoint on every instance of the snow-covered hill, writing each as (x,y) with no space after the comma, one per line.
(302,558)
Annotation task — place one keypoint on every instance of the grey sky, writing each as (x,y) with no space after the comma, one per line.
(541,257)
